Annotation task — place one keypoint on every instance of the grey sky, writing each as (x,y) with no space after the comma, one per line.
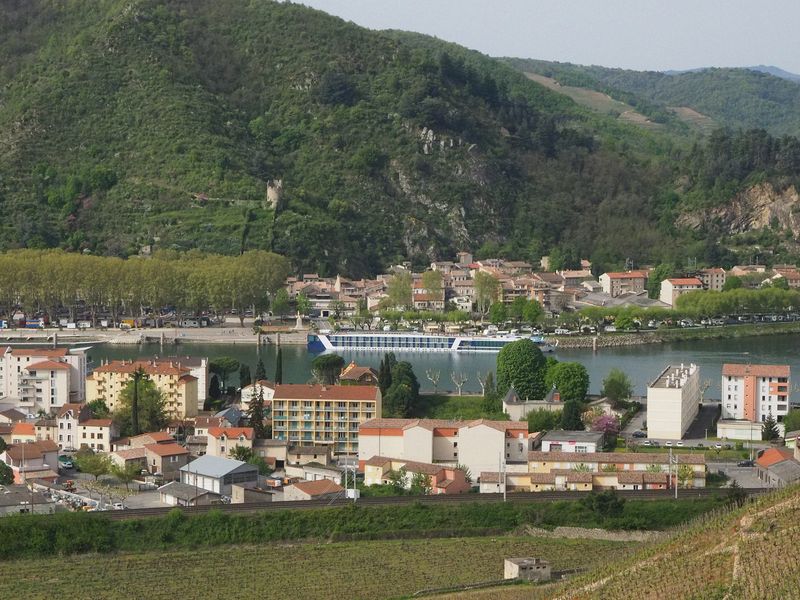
(633,34)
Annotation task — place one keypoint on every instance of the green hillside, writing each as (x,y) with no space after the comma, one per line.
(125,124)
(738,98)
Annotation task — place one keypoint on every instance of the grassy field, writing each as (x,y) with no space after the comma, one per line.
(380,569)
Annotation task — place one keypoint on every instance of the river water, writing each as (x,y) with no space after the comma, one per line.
(641,363)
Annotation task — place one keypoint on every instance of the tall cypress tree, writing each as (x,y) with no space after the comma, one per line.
(261,371)
(244,375)
(279,367)
(255,413)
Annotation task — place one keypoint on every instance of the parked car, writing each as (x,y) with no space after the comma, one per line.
(718,446)
(647,443)
(119,506)
(679,444)
(639,434)
(745,463)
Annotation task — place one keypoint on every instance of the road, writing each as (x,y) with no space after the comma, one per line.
(744,476)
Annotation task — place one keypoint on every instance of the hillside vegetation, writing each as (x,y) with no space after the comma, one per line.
(744,554)
(738,98)
(134,123)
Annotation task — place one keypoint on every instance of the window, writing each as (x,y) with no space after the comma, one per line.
(455,444)
(84,435)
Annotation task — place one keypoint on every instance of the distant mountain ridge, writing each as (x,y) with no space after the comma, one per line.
(734,97)
(769,69)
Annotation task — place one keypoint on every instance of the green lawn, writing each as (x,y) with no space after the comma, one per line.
(440,406)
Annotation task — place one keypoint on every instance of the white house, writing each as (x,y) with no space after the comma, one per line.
(672,289)
(673,401)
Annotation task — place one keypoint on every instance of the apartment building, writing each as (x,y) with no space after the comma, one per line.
(618,283)
(672,289)
(174,380)
(713,279)
(751,392)
(42,378)
(198,368)
(68,420)
(614,470)
(96,434)
(673,401)
(479,445)
(311,415)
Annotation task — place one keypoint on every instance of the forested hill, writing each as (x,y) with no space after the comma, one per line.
(129,123)
(738,98)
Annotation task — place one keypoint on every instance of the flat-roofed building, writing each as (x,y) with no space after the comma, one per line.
(618,283)
(752,392)
(672,289)
(43,378)
(572,441)
(673,401)
(313,414)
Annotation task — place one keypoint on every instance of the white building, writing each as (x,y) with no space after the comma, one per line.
(672,289)
(752,392)
(673,401)
(713,279)
(43,378)
(478,445)
(249,392)
(572,441)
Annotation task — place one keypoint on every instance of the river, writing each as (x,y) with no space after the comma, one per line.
(641,363)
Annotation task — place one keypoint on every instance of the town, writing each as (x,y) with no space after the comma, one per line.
(71,441)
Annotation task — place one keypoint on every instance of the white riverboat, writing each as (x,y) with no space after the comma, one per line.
(414,342)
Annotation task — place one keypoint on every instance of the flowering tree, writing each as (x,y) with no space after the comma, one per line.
(608,424)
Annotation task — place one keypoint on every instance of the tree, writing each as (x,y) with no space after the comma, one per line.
(241,453)
(303,304)
(532,312)
(385,371)
(542,419)
(222,366)
(402,396)
(244,375)
(152,416)
(280,303)
(255,414)
(397,480)
(736,495)
(98,408)
(398,290)
(522,365)
(93,464)
(497,313)
(432,282)
(125,474)
(685,475)
(571,379)
(791,422)
(3,445)
(137,376)
(433,376)
(458,379)
(487,290)
(656,276)
(326,368)
(571,416)
(617,387)
(769,430)
(6,474)
(214,388)
(261,371)
(604,504)
(279,367)
(421,484)
(732,282)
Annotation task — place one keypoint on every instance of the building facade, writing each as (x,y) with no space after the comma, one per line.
(673,401)
(672,289)
(615,284)
(752,392)
(42,378)
(311,415)
(175,382)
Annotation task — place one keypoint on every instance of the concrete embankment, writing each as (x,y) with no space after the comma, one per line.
(166,336)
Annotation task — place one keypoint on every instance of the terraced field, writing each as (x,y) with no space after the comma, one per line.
(377,569)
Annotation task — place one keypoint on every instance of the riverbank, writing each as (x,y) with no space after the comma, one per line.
(615,340)
(171,336)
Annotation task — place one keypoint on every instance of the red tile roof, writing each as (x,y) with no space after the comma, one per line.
(131,453)
(772,456)
(96,423)
(149,367)
(75,407)
(319,487)
(301,391)
(627,275)
(21,428)
(614,457)
(48,352)
(48,365)
(685,281)
(166,449)
(231,432)
(155,437)
(740,370)
(31,450)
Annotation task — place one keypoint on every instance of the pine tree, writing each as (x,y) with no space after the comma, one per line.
(213,388)
(255,413)
(571,416)
(279,367)
(244,376)
(385,372)
(261,371)
(770,431)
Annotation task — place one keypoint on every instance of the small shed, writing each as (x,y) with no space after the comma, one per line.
(528,569)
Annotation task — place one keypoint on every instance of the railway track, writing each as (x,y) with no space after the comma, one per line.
(516,497)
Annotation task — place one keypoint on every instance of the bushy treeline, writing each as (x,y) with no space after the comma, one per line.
(73,533)
(51,280)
